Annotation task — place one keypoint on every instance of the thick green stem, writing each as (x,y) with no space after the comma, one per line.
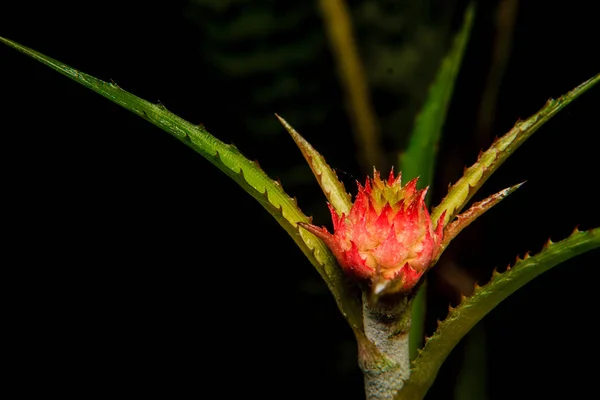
(386,326)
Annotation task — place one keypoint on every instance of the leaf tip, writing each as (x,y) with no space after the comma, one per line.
(517,186)
(287,126)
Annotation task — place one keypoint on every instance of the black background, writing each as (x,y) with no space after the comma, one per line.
(141,269)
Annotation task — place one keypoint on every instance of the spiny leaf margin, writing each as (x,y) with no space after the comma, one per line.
(488,162)
(475,211)
(228,159)
(484,298)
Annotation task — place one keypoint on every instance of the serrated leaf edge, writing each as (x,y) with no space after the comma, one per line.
(475,211)
(332,187)
(428,360)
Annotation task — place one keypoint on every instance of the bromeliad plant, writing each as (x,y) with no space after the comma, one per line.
(386,240)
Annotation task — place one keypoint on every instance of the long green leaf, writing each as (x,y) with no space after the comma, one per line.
(418,159)
(472,309)
(475,176)
(228,159)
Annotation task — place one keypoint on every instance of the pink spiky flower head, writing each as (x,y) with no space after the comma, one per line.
(388,238)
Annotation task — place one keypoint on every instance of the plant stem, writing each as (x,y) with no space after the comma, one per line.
(386,325)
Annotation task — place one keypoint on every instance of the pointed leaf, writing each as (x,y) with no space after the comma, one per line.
(330,184)
(228,159)
(419,157)
(472,309)
(475,211)
(475,176)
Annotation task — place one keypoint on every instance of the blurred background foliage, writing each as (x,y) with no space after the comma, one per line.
(163,267)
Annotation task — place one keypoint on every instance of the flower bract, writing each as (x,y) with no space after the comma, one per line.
(388,238)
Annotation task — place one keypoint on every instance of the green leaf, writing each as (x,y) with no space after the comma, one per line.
(475,176)
(472,309)
(228,159)
(333,188)
(419,157)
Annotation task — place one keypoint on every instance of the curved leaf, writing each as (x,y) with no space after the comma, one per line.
(228,159)
(476,175)
(472,309)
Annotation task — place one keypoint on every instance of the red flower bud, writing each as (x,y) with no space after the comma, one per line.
(388,238)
